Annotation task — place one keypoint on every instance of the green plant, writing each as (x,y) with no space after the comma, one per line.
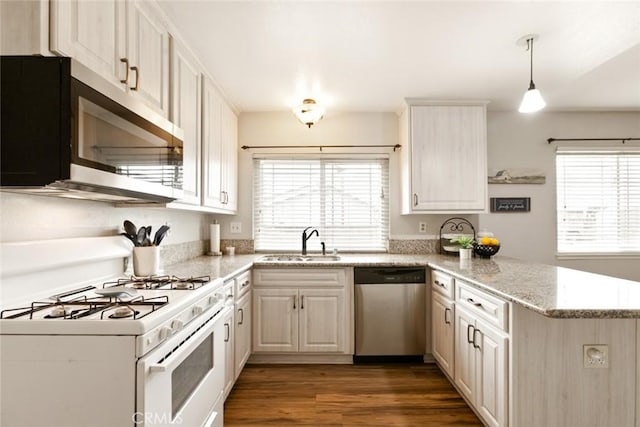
(465,242)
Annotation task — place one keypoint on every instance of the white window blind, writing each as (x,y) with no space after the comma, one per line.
(346,200)
(598,201)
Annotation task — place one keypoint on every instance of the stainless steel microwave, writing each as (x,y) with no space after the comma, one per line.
(68,132)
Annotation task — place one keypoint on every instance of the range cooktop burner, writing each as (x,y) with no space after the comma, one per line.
(160,282)
(111,307)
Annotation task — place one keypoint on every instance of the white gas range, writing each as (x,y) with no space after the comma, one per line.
(102,350)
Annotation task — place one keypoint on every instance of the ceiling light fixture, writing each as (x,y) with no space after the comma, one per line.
(309,113)
(532,100)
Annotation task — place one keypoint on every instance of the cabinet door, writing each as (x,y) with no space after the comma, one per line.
(92,32)
(230,158)
(322,320)
(148,52)
(448,158)
(443,331)
(242,331)
(212,195)
(491,374)
(229,349)
(464,360)
(275,324)
(186,115)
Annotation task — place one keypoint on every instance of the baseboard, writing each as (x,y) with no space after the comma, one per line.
(337,359)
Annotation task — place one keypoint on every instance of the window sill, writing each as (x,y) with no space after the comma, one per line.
(597,255)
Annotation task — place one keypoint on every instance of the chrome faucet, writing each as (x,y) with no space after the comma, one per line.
(306,237)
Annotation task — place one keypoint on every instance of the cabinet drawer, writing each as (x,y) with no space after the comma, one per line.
(243,284)
(442,283)
(300,277)
(487,307)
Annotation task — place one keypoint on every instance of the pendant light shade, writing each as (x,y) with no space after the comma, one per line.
(532,100)
(309,113)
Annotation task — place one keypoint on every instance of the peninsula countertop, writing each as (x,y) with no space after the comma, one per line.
(552,291)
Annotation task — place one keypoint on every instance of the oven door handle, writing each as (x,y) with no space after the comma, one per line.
(186,346)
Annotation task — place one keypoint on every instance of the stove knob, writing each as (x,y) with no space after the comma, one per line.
(197,310)
(176,325)
(164,333)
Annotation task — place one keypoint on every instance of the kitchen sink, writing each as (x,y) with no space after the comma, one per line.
(299,258)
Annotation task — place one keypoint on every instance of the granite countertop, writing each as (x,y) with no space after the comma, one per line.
(549,290)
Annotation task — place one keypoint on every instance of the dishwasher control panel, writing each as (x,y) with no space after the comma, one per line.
(381,275)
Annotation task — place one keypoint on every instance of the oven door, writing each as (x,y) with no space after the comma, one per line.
(182,381)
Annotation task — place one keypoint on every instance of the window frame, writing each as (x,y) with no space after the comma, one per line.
(323,156)
(595,255)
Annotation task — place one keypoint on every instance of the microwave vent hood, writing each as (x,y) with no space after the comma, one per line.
(67,132)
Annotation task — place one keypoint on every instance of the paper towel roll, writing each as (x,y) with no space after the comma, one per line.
(214,245)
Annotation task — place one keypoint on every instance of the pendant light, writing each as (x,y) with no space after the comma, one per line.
(309,113)
(532,100)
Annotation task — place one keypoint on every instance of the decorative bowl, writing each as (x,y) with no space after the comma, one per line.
(485,251)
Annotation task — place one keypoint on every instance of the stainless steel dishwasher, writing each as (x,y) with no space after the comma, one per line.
(390,311)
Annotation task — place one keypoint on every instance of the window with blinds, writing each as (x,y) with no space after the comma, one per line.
(598,201)
(346,200)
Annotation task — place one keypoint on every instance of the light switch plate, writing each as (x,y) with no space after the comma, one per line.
(235,227)
(595,355)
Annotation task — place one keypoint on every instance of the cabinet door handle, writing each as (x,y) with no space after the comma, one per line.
(134,68)
(126,76)
(294,302)
(447,311)
(470,327)
(302,302)
(227,332)
(474,338)
(477,304)
(415,199)
(241,311)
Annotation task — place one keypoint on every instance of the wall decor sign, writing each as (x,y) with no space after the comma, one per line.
(510,204)
(517,176)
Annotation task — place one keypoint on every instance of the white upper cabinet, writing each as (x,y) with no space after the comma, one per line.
(219,148)
(444,157)
(94,33)
(185,113)
(148,54)
(125,42)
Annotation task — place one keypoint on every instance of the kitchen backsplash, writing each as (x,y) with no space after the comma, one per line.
(182,251)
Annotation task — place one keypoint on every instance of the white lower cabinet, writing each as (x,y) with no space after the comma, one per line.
(242,332)
(229,349)
(442,336)
(481,366)
(295,313)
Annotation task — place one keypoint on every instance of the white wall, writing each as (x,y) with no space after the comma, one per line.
(27,217)
(282,128)
(519,140)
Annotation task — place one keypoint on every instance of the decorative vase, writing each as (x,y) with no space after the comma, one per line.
(465,253)
(146,260)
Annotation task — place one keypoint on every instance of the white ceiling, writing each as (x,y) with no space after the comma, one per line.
(368,56)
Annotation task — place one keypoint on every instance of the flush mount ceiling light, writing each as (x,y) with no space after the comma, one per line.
(532,100)
(309,113)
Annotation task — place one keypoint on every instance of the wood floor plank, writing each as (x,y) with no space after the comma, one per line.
(345,395)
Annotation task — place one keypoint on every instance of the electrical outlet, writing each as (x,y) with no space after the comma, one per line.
(422,227)
(595,355)
(235,227)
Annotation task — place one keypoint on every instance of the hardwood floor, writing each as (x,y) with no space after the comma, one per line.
(345,395)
